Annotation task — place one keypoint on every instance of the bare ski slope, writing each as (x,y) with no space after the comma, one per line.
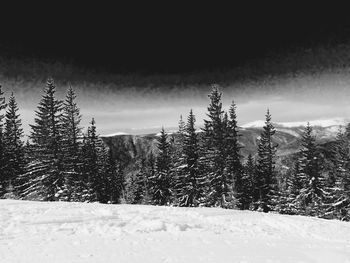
(79,232)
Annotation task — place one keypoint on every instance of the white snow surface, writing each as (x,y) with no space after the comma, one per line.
(81,232)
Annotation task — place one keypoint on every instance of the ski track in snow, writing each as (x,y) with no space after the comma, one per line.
(81,232)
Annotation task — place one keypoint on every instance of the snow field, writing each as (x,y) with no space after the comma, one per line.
(81,232)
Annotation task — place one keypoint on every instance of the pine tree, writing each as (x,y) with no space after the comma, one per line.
(249,172)
(178,162)
(150,171)
(93,153)
(44,176)
(233,162)
(182,128)
(340,192)
(220,192)
(265,187)
(114,183)
(141,184)
(14,150)
(105,175)
(71,146)
(191,183)
(288,203)
(3,180)
(161,181)
(311,195)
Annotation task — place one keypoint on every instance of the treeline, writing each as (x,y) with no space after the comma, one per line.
(205,168)
(59,162)
(193,167)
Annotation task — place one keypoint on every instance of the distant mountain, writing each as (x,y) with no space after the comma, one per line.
(127,148)
(315,123)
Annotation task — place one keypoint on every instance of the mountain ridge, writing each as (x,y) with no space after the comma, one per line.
(128,148)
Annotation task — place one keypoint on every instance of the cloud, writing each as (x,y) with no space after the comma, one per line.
(298,97)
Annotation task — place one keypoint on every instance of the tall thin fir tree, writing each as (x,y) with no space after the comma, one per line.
(150,166)
(191,182)
(71,142)
(106,172)
(312,194)
(14,150)
(340,192)
(178,162)
(266,196)
(92,165)
(287,201)
(140,183)
(161,181)
(113,176)
(249,171)
(45,177)
(220,191)
(3,181)
(233,161)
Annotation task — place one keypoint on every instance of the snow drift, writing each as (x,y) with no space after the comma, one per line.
(80,232)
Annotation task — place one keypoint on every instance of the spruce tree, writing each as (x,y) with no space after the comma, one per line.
(288,203)
(233,161)
(339,205)
(14,150)
(265,188)
(45,177)
(107,175)
(114,183)
(249,172)
(220,184)
(139,187)
(140,183)
(178,162)
(191,183)
(161,181)
(71,146)
(182,128)
(311,195)
(3,180)
(93,161)
(150,175)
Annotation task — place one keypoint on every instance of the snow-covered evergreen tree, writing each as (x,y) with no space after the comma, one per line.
(220,184)
(339,196)
(249,172)
(234,166)
(192,181)
(94,158)
(71,147)
(150,171)
(265,196)
(140,185)
(178,162)
(45,174)
(161,181)
(14,148)
(3,181)
(114,177)
(312,195)
(288,204)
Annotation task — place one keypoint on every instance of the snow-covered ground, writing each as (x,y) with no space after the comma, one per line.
(79,232)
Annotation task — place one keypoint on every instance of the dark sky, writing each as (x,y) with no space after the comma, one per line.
(169,38)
